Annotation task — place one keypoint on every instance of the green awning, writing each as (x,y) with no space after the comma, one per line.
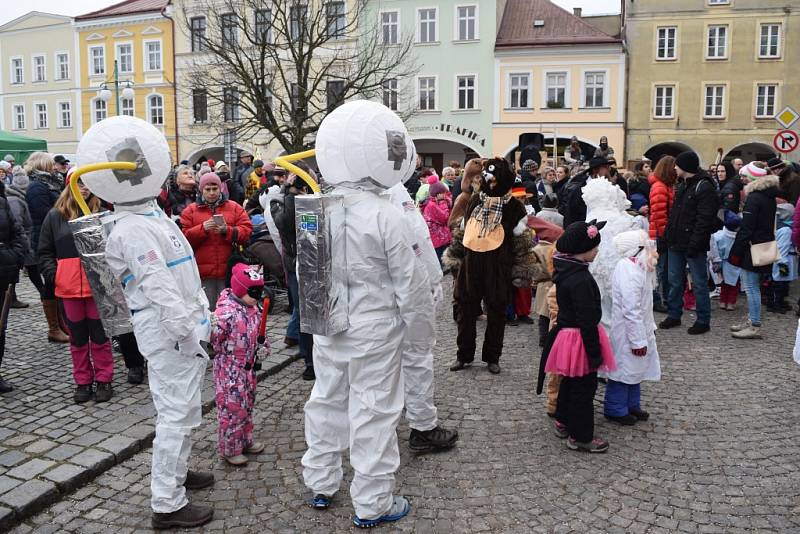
(19,146)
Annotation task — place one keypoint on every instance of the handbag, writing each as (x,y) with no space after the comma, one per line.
(762,254)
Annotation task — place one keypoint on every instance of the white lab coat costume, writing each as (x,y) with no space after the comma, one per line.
(421,339)
(358,398)
(632,324)
(151,257)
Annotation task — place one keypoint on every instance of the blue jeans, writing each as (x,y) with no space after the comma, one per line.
(661,293)
(698,268)
(751,283)
(621,398)
(305,341)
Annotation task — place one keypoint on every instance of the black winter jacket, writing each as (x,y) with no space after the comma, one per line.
(283,213)
(579,305)
(790,185)
(573,207)
(12,245)
(758,222)
(730,193)
(694,215)
(41,195)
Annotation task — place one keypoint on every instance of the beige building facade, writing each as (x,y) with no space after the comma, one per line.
(709,74)
(39,80)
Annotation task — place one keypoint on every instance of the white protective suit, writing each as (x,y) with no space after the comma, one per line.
(357,398)
(421,338)
(151,257)
(632,322)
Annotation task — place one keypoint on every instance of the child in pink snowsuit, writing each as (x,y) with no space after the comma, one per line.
(234,339)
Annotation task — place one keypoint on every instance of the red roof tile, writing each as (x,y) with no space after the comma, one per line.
(126,7)
(560,26)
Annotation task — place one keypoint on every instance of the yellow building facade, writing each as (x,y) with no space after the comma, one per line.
(709,74)
(137,39)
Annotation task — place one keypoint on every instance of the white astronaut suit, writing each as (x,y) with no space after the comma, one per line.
(358,397)
(148,253)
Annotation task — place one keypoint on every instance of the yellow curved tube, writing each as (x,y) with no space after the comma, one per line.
(285,162)
(77,173)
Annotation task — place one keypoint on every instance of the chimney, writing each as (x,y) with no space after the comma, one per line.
(577,11)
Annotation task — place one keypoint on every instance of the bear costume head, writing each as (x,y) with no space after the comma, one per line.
(498,178)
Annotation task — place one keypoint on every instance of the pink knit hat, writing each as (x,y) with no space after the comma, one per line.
(432,179)
(208,179)
(243,278)
(752,171)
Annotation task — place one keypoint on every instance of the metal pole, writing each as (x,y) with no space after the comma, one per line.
(116,86)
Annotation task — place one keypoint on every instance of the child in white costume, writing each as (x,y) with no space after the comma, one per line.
(632,328)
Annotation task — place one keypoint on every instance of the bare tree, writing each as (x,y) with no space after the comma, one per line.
(280,66)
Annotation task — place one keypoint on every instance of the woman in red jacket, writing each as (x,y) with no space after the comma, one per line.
(60,263)
(662,194)
(213,226)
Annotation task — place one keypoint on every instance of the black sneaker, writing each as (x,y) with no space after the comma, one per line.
(103,392)
(5,387)
(641,415)
(437,439)
(525,319)
(668,323)
(308,374)
(698,328)
(625,420)
(83,393)
(135,375)
(512,321)
(660,308)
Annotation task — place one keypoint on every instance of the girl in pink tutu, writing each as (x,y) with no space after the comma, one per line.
(578,346)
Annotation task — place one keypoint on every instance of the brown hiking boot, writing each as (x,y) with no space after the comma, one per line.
(198,480)
(191,515)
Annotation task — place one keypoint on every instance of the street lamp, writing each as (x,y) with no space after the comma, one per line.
(104,93)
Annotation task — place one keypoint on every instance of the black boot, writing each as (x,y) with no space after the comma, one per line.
(625,420)
(135,375)
(191,515)
(437,439)
(5,387)
(198,480)
(83,393)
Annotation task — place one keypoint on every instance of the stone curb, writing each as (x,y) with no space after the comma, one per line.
(33,496)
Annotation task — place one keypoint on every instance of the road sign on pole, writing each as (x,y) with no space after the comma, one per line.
(785,141)
(787,117)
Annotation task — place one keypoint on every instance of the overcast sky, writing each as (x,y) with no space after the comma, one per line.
(13,9)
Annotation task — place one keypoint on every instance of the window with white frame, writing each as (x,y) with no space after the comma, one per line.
(39,68)
(666,43)
(227,23)
(717,42)
(520,86)
(334,94)
(766,96)
(298,18)
(664,105)
(426,89)
(556,83)
(124,58)
(263,26)
(336,20)
(770,41)
(714,102)
(41,115)
(155,109)
(230,104)
(65,115)
(97,60)
(426,25)
(17,70)
(152,51)
(594,87)
(466,91)
(390,94)
(390,27)
(467,23)
(198,33)
(200,105)
(19,116)
(126,107)
(62,66)
(99,110)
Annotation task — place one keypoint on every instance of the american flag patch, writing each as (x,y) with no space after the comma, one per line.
(409,205)
(417,250)
(151,256)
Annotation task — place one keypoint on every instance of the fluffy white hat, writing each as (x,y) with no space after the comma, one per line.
(628,243)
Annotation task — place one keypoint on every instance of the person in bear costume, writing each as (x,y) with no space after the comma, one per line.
(492,252)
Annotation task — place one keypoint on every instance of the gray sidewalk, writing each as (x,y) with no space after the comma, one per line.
(50,446)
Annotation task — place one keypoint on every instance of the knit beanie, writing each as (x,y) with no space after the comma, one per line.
(751,171)
(732,221)
(437,189)
(219,165)
(784,212)
(629,243)
(580,237)
(637,201)
(432,179)
(243,278)
(208,179)
(688,162)
(528,166)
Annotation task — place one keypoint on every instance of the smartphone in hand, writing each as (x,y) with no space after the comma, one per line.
(219,220)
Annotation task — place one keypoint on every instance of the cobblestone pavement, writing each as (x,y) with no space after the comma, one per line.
(49,445)
(719,453)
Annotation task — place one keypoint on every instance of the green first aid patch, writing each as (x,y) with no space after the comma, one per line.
(309,223)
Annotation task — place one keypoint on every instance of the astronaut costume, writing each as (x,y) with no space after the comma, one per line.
(149,255)
(357,398)
(420,341)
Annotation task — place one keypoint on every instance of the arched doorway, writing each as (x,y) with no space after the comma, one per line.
(438,153)
(670,148)
(561,143)
(748,152)
(217,153)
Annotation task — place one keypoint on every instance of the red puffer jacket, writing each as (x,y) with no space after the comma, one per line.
(661,198)
(212,250)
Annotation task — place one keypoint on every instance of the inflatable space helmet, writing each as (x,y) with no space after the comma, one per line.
(129,139)
(364,142)
(497,171)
